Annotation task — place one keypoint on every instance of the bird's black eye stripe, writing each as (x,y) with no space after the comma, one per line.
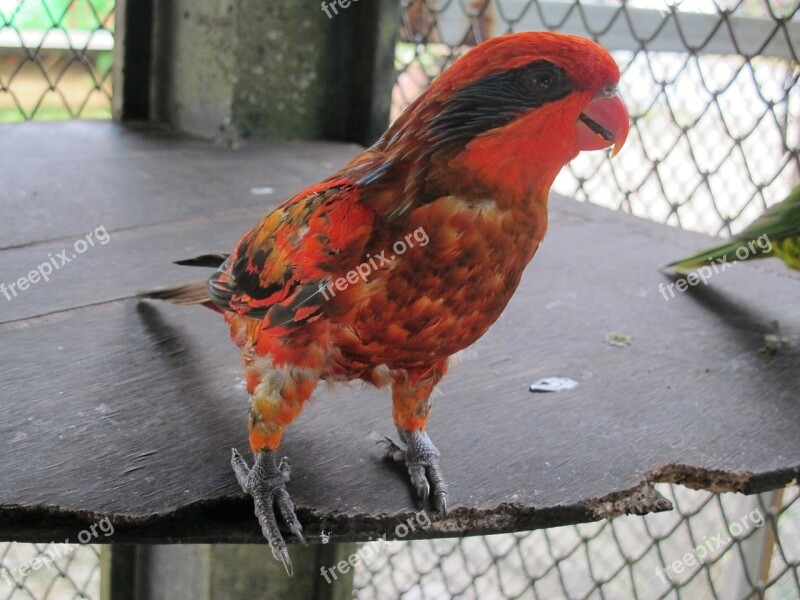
(498,99)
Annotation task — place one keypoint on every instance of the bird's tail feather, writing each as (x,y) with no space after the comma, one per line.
(726,252)
(190,293)
(205,260)
(185,295)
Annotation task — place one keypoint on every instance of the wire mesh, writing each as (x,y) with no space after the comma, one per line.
(27,571)
(55,59)
(725,546)
(712,88)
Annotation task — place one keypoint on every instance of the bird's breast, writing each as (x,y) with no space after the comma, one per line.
(444,278)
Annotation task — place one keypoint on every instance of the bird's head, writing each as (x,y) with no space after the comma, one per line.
(516,108)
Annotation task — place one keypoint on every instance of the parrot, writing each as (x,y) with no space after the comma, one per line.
(774,233)
(388,267)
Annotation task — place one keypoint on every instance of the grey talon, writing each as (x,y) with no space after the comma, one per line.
(422,459)
(266,483)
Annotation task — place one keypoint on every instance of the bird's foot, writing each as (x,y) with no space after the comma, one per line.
(422,459)
(266,483)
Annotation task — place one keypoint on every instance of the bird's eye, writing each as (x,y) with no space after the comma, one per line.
(544,82)
(541,81)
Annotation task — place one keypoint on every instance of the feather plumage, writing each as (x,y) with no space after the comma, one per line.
(774,233)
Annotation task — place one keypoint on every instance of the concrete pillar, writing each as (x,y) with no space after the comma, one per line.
(225,69)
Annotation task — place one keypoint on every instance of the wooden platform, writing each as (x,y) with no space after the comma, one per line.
(115,407)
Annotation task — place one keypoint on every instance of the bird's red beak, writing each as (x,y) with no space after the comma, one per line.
(604,122)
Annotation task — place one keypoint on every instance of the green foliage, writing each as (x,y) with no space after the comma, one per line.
(53,113)
(78,15)
(103,62)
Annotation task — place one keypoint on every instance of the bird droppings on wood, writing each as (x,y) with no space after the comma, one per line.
(774,344)
(262,191)
(553,384)
(618,339)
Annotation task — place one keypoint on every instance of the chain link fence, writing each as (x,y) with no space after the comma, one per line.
(712,88)
(725,546)
(55,59)
(49,571)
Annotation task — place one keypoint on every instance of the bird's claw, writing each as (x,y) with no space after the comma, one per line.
(266,483)
(440,502)
(419,480)
(422,460)
(392,450)
(283,556)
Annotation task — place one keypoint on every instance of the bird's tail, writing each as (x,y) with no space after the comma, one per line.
(195,292)
(731,251)
(205,260)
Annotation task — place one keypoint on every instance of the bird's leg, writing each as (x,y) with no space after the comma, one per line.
(266,483)
(411,393)
(276,399)
(422,459)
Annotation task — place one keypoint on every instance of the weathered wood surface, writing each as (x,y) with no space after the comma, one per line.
(128,409)
(60,181)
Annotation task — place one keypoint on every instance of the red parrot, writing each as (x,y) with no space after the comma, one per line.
(410,252)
